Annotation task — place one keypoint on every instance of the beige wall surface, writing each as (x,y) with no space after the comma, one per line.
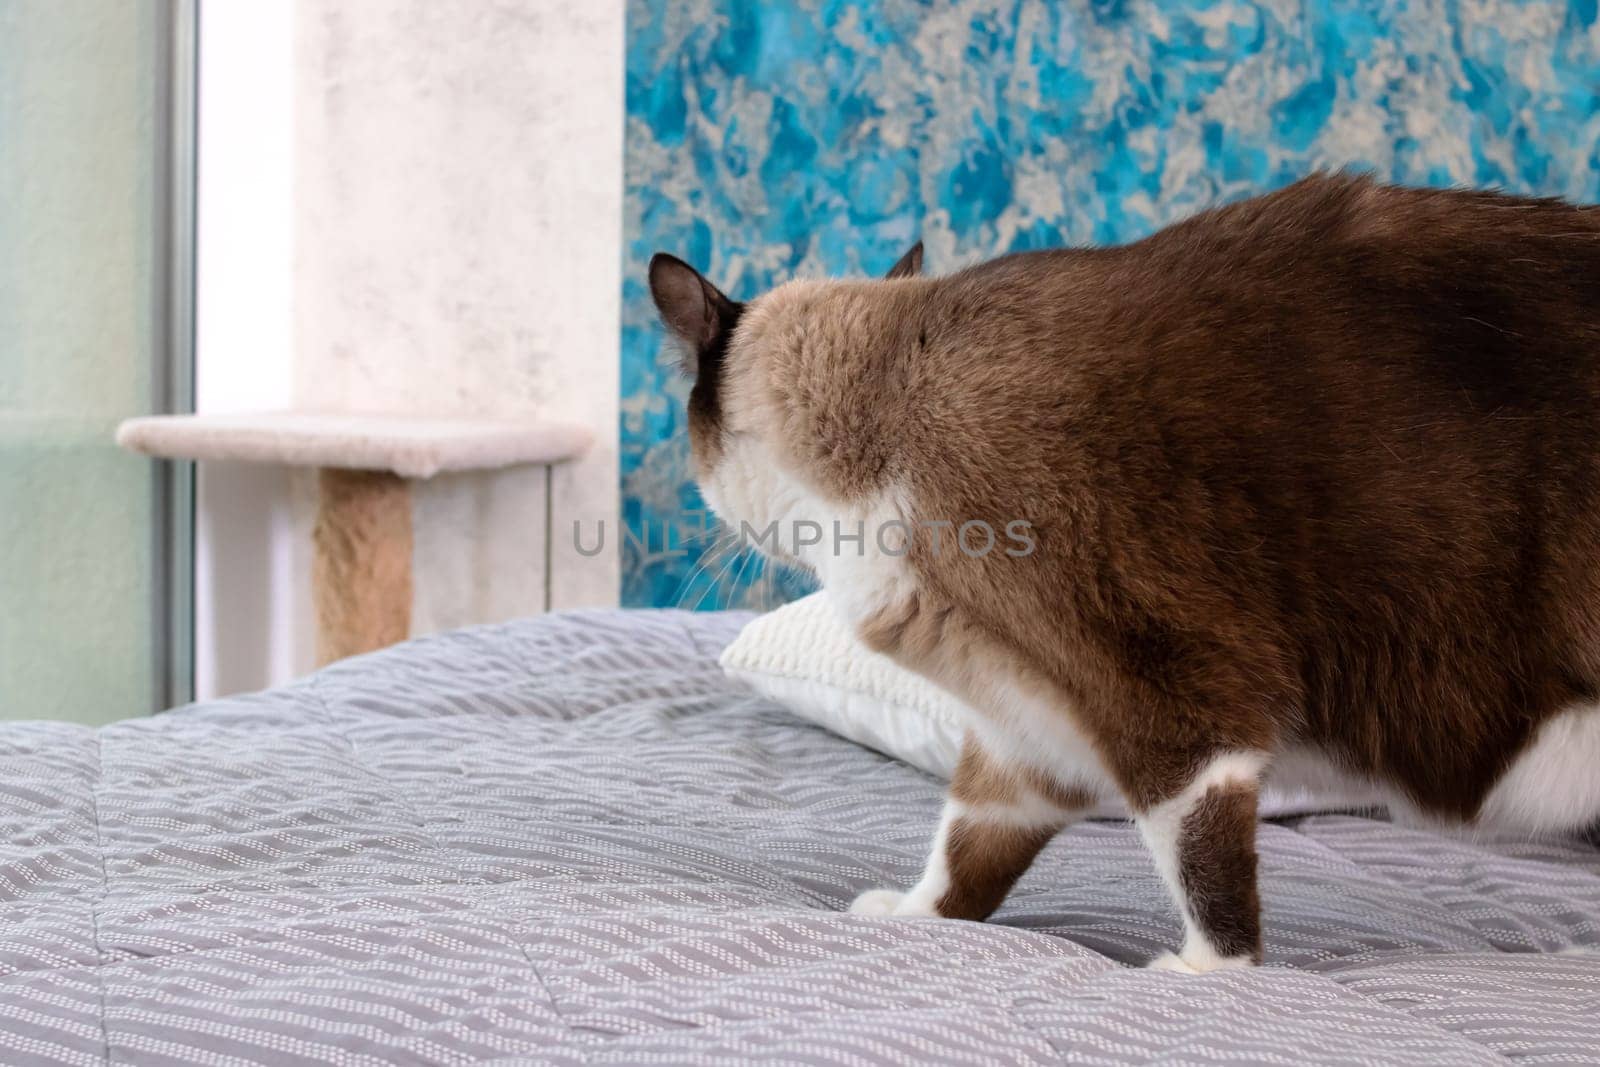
(458,192)
(455,175)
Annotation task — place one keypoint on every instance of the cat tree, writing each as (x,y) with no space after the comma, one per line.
(361,562)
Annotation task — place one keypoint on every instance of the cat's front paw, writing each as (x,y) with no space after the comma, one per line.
(876,902)
(1198,963)
(890,902)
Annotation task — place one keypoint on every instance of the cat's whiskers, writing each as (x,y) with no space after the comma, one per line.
(733,556)
(712,556)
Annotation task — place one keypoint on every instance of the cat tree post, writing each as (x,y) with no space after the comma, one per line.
(362,540)
(361,566)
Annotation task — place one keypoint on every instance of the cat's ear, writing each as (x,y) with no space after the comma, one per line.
(910,264)
(692,308)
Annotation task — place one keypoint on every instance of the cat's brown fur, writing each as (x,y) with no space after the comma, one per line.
(1316,470)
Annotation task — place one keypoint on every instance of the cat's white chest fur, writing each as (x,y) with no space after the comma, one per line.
(857,552)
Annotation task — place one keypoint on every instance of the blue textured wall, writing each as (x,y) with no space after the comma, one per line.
(809,137)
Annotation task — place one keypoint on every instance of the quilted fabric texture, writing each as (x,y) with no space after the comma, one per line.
(571,840)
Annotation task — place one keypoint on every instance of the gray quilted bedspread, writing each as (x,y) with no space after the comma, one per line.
(570,840)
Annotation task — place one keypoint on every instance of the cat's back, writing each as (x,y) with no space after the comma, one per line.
(1334,299)
(1340,253)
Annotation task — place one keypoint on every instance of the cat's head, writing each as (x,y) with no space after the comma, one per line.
(733,353)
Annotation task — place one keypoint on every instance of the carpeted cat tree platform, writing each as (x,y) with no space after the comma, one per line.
(361,564)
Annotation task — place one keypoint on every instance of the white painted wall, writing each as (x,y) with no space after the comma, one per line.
(416,207)
(252,615)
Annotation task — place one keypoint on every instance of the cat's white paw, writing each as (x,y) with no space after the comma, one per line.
(1171,961)
(891,902)
(1198,963)
(876,902)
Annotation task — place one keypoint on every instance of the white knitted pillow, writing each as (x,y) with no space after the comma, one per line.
(803,657)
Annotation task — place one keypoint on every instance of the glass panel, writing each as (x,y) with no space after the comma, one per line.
(87,543)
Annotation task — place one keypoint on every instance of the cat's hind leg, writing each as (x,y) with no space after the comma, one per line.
(996,820)
(1203,841)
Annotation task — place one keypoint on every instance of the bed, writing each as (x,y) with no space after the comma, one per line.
(571,840)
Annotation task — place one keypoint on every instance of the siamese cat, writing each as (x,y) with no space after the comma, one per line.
(1313,480)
